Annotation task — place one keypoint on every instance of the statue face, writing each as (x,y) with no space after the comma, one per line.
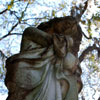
(66,27)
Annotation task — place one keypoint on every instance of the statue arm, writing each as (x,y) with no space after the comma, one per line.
(35,35)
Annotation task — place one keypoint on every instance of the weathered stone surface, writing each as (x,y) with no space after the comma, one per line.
(47,67)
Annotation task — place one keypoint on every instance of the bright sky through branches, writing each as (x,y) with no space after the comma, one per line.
(49,5)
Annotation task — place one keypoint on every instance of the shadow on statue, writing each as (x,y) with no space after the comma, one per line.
(47,67)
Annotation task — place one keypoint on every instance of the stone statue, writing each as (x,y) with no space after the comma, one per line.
(47,67)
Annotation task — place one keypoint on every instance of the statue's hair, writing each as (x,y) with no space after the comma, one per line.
(53,22)
(64,25)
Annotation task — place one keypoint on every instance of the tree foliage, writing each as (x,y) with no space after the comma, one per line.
(16,15)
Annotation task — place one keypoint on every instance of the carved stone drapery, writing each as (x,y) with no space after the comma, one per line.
(41,71)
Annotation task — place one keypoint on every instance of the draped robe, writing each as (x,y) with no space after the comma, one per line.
(40,71)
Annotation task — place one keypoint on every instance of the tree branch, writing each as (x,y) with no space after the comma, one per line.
(13,27)
(87,50)
(83,10)
(3,11)
(9,35)
(2,54)
(37,18)
(75,9)
(86,36)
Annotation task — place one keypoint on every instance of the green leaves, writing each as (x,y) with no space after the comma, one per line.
(10,5)
(89,27)
(53,13)
(96,17)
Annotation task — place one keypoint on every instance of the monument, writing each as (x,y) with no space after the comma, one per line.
(47,66)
